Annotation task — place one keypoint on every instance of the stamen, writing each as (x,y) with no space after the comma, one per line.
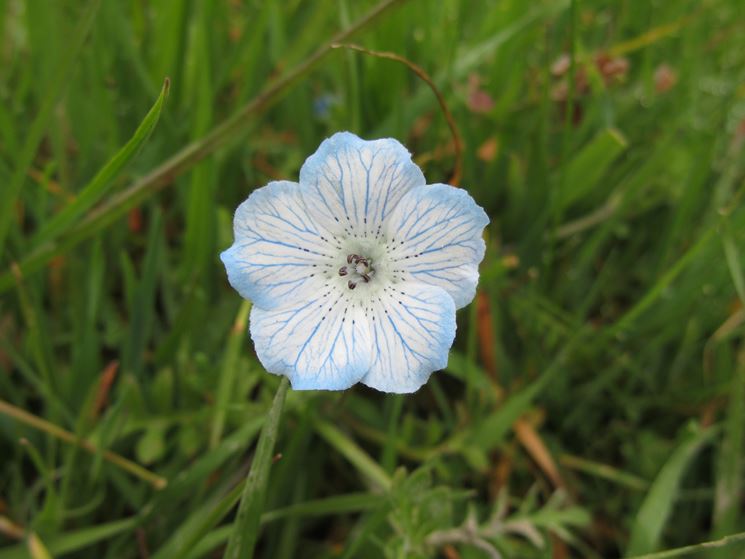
(359,269)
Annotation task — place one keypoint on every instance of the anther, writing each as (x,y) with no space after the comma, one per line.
(359,269)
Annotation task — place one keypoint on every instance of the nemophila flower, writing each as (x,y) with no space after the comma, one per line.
(356,271)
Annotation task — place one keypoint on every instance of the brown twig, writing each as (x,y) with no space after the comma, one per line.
(10,529)
(104,387)
(525,431)
(421,74)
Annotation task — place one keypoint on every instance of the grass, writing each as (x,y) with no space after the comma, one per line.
(594,401)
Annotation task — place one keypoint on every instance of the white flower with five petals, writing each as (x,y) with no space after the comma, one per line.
(356,272)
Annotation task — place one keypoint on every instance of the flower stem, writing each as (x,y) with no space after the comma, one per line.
(246,525)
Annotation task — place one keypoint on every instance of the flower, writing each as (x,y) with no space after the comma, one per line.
(356,272)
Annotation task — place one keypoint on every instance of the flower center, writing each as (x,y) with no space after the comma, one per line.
(358,269)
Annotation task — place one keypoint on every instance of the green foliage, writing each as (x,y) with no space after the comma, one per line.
(609,322)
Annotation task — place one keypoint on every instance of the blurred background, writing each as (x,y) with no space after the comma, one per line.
(594,402)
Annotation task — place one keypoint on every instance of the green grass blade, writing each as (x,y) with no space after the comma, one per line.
(97,187)
(142,309)
(227,373)
(646,532)
(338,504)
(732,255)
(199,242)
(197,525)
(212,460)
(659,287)
(687,550)
(75,541)
(352,452)
(604,471)
(583,173)
(727,513)
(245,530)
(41,122)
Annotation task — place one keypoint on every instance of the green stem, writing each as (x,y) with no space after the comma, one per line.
(245,530)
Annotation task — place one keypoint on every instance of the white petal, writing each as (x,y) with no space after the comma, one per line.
(435,238)
(351,185)
(279,253)
(413,326)
(320,343)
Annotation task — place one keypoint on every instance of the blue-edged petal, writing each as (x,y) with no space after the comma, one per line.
(413,327)
(351,185)
(435,236)
(280,253)
(320,343)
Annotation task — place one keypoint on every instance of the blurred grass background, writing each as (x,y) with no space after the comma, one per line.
(594,404)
